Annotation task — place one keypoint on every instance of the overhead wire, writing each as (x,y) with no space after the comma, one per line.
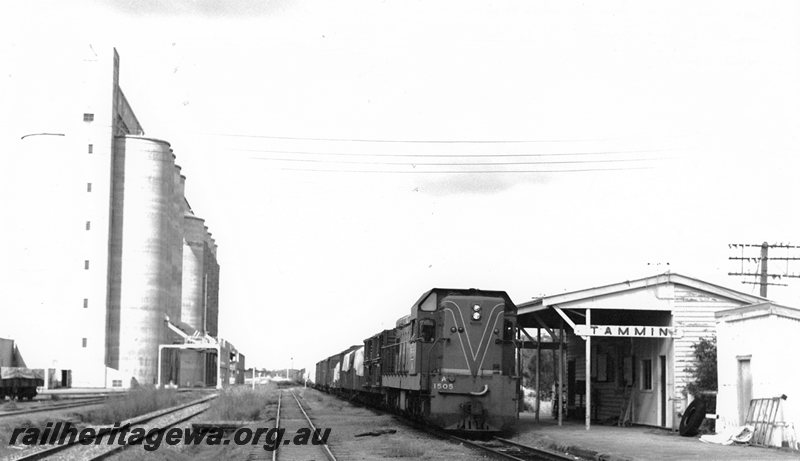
(405,141)
(314,170)
(364,154)
(416,164)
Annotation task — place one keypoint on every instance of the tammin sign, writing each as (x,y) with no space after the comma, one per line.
(628,331)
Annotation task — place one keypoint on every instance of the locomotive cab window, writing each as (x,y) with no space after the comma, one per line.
(429,305)
(427,330)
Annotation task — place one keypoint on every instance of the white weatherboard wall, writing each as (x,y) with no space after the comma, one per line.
(693,312)
(687,304)
(769,336)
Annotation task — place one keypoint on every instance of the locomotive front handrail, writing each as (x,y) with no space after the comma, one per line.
(482,391)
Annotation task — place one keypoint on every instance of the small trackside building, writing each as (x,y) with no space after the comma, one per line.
(756,347)
(634,340)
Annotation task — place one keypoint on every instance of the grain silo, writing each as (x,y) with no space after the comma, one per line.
(193,292)
(146,271)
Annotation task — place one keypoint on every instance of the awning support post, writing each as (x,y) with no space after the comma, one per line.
(520,393)
(565,317)
(542,324)
(561,374)
(588,398)
(538,370)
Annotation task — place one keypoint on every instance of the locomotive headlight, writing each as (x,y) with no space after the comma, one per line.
(476,308)
(476,315)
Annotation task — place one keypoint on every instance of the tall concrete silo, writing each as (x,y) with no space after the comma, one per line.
(193,291)
(176,244)
(145,277)
(212,288)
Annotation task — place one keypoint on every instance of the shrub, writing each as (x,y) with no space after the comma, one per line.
(704,378)
(138,401)
(241,404)
(704,374)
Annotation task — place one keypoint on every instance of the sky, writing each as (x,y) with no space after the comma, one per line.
(350,155)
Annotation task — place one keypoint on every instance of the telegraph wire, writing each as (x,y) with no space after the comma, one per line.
(362,154)
(405,141)
(413,164)
(313,170)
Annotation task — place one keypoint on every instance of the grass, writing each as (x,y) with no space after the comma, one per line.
(136,402)
(9,405)
(242,403)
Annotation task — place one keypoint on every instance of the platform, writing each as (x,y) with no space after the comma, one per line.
(633,443)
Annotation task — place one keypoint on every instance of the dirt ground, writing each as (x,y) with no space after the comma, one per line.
(7,424)
(78,417)
(345,421)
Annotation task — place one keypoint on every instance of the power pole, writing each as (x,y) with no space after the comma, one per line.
(762,263)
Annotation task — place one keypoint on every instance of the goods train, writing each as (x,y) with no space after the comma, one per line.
(16,380)
(451,363)
(19,382)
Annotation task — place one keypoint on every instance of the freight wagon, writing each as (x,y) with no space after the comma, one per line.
(451,362)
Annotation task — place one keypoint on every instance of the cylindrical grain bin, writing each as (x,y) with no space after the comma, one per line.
(176,245)
(146,272)
(194,281)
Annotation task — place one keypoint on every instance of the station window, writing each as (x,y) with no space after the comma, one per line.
(647,374)
(85,303)
(90,149)
(88,117)
(116,383)
(86,264)
(83,342)
(427,330)
(88,187)
(88,225)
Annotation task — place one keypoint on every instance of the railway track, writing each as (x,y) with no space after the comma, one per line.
(497,446)
(53,407)
(70,401)
(508,449)
(292,417)
(161,420)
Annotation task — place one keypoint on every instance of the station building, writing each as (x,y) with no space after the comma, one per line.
(626,349)
(110,262)
(755,351)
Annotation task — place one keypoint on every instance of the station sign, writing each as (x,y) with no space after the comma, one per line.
(628,331)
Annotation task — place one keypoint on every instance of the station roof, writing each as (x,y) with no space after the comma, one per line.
(758,310)
(647,294)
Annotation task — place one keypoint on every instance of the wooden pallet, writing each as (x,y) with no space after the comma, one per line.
(762,416)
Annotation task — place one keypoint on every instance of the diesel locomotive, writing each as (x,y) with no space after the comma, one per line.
(451,363)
